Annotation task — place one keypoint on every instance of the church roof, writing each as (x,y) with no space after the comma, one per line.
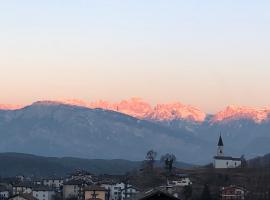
(220,142)
(227,158)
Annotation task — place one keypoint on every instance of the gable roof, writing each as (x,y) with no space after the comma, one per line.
(24,196)
(158,195)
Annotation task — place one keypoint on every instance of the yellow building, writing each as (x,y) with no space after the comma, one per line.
(95,192)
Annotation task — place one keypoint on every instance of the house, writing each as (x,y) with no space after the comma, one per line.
(182,180)
(95,192)
(22,197)
(128,192)
(20,188)
(118,191)
(232,193)
(43,193)
(56,183)
(74,189)
(222,161)
(157,195)
(4,193)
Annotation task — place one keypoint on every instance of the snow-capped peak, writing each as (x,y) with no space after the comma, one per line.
(258,115)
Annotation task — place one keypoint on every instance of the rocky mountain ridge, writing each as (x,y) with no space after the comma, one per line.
(138,108)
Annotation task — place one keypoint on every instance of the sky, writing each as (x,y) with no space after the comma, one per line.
(204,53)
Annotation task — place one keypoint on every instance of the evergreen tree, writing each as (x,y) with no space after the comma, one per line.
(206,193)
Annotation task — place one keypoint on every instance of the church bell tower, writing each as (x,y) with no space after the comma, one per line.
(220,147)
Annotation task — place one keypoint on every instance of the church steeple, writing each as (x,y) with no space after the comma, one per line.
(220,142)
(220,147)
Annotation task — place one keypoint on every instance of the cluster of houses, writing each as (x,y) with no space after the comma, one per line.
(79,185)
(82,185)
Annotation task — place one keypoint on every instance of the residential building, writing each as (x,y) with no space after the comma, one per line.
(4,193)
(56,183)
(181,180)
(95,192)
(20,188)
(232,193)
(74,188)
(118,191)
(43,193)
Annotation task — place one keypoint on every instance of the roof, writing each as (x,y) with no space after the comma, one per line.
(23,184)
(25,196)
(157,194)
(42,188)
(94,188)
(226,158)
(233,187)
(220,142)
(75,182)
(3,188)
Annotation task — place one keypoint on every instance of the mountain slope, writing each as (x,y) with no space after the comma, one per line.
(13,164)
(55,129)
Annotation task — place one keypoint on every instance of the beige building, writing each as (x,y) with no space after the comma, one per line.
(73,189)
(95,192)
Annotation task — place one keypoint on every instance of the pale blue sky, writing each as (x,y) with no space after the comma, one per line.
(206,53)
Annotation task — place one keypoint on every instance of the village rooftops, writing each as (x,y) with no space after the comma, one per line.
(226,158)
(24,184)
(24,196)
(42,188)
(75,182)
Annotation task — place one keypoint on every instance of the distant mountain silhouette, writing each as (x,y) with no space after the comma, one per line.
(13,164)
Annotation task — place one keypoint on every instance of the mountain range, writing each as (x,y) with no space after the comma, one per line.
(130,128)
(138,108)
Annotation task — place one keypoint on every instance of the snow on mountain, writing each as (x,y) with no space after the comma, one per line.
(177,111)
(138,108)
(258,115)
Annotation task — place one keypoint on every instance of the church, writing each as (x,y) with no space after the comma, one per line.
(221,161)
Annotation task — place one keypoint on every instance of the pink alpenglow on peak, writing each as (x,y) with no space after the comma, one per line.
(10,107)
(176,111)
(258,115)
(136,107)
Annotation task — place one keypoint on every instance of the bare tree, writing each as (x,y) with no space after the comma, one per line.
(168,160)
(150,159)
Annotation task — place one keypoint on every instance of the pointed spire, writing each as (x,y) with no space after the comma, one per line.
(220,142)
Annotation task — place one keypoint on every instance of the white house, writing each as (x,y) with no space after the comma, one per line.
(182,180)
(56,183)
(118,191)
(43,193)
(222,161)
(21,188)
(4,193)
